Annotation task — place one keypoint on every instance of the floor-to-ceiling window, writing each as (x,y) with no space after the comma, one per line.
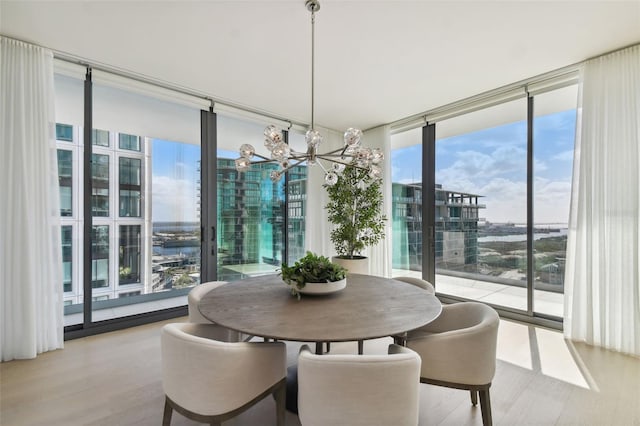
(488,180)
(481,205)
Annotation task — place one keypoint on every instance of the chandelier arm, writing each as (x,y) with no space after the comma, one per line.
(298,156)
(340,162)
(291,166)
(322,167)
(336,155)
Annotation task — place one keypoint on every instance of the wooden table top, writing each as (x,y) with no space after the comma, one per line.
(368,308)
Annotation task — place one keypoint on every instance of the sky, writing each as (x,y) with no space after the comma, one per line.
(492,163)
(174,178)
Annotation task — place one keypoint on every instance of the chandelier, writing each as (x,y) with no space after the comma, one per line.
(352,154)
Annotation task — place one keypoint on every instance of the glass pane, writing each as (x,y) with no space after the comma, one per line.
(176,215)
(100,137)
(129,142)
(100,256)
(554,139)
(130,251)
(100,185)
(406,189)
(67,258)
(481,205)
(250,206)
(65,180)
(130,186)
(154,182)
(64,132)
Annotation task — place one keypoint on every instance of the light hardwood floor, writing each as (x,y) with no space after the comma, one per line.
(114,379)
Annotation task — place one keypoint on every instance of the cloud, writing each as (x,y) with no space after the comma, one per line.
(564,155)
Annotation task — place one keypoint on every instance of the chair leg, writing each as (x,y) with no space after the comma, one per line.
(328,346)
(360,347)
(168,410)
(280,396)
(485,407)
(474,397)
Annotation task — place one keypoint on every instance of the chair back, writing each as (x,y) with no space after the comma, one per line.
(194,297)
(418,282)
(359,389)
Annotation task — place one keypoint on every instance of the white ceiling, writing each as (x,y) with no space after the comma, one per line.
(376,61)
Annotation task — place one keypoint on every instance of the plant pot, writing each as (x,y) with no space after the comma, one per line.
(357,265)
(323,288)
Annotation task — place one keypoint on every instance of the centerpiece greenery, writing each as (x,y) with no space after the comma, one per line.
(311,269)
(355,208)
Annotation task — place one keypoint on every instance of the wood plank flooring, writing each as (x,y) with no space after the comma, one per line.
(114,379)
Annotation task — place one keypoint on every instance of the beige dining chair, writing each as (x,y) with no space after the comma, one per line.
(194,297)
(458,350)
(208,380)
(356,390)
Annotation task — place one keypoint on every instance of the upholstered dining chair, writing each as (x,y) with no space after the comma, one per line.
(418,282)
(458,350)
(194,297)
(358,389)
(210,381)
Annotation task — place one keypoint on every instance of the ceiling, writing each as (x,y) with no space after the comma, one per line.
(376,61)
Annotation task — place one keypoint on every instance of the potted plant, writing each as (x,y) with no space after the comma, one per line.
(314,274)
(355,208)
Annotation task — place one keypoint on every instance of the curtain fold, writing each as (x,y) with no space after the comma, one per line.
(31,316)
(602,290)
(380,255)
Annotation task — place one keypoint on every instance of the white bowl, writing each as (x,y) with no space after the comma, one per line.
(323,288)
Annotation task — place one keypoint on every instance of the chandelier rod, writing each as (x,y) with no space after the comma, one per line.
(312,7)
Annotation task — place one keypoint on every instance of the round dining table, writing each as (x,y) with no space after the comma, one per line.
(368,307)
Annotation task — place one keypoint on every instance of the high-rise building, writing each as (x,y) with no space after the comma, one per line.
(456,230)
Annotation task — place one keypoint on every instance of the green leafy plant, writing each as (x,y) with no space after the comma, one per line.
(311,269)
(355,207)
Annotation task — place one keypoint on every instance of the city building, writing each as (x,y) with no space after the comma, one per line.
(456,231)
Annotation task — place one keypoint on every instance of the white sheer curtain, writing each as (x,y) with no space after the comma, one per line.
(380,254)
(602,290)
(31,319)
